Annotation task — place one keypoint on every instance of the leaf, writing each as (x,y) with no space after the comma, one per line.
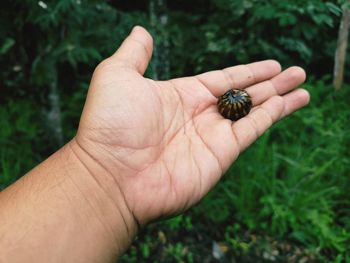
(7,45)
(334,9)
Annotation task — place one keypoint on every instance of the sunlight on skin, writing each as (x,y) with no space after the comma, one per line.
(164,142)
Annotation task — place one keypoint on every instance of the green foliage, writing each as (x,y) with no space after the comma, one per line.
(180,222)
(60,41)
(289,31)
(19,146)
(290,187)
(180,253)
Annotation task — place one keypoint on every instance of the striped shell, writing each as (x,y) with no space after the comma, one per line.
(234,104)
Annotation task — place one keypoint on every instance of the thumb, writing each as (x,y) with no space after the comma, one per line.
(136,50)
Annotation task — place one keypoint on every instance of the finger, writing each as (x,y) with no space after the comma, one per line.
(238,77)
(251,127)
(136,50)
(294,101)
(278,85)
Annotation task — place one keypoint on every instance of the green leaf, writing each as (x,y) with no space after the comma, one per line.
(334,9)
(7,45)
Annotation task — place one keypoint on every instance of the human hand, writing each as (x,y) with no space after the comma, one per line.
(144,149)
(163,144)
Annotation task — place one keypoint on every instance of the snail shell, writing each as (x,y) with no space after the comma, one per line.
(234,104)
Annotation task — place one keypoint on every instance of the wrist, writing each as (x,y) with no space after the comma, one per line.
(103,197)
(69,205)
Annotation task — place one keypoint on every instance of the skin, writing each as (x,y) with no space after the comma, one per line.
(144,150)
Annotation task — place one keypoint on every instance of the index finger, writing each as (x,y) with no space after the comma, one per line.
(238,77)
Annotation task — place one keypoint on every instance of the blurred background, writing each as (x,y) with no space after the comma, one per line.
(287,197)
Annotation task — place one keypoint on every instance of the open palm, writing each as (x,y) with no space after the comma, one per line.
(164,142)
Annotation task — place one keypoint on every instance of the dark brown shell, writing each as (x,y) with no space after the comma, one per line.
(234,104)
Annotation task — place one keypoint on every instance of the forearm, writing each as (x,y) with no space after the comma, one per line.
(68,209)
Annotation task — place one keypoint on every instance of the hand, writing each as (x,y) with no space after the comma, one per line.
(144,149)
(163,143)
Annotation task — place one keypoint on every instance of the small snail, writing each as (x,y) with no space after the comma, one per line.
(234,104)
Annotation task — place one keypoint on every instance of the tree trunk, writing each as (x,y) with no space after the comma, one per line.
(340,54)
(54,113)
(159,21)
